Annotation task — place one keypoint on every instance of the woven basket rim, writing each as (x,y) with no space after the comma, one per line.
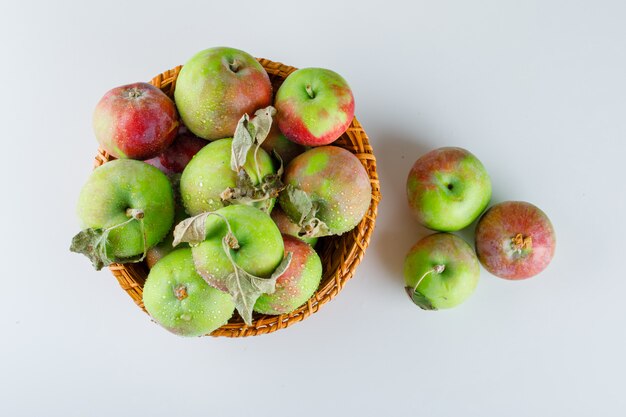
(344,259)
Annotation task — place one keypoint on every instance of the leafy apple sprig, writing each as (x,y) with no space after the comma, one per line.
(92,242)
(310,225)
(244,287)
(249,135)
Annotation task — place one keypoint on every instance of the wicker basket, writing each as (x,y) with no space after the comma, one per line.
(340,255)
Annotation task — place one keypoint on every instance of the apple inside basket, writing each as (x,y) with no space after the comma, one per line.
(340,255)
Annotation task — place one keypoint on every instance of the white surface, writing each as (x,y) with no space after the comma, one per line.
(536,89)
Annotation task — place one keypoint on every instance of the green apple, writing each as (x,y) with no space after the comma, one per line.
(447,189)
(181,301)
(125,207)
(260,245)
(216,87)
(237,249)
(440,271)
(209,173)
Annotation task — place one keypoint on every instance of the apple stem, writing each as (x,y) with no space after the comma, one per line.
(438,269)
(181,292)
(519,242)
(134,93)
(234,65)
(230,239)
(309,91)
(135,213)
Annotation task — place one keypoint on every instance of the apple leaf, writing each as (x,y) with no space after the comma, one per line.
(191,230)
(419,299)
(249,133)
(262,123)
(246,288)
(247,193)
(310,225)
(93,244)
(280,170)
(243,140)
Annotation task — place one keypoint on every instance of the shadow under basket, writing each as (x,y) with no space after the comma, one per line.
(340,255)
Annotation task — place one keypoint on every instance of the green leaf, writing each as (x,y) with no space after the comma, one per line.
(246,288)
(92,244)
(310,225)
(419,299)
(191,230)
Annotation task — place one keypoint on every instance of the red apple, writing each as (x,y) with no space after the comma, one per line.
(314,106)
(136,121)
(277,142)
(175,158)
(515,240)
(297,284)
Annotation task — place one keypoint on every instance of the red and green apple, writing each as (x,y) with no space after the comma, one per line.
(447,189)
(314,106)
(216,87)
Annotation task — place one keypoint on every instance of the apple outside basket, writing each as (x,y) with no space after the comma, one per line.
(340,255)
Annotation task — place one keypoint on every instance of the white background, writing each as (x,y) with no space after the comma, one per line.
(535,89)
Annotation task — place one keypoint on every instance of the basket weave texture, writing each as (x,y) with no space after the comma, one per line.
(340,255)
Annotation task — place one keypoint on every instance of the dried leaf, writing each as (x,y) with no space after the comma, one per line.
(243,140)
(280,170)
(301,201)
(191,230)
(314,227)
(246,288)
(310,224)
(92,243)
(247,193)
(262,124)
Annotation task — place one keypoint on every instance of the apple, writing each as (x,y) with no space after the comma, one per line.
(288,227)
(135,121)
(447,189)
(277,142)
(209,173)
(175,158)
(297,284)
(237,249)
(260,245)
(515,240)
(125,207)
(216,87)
(328,191)
(314,106)
(440,271)
(181,301)
(165,246)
